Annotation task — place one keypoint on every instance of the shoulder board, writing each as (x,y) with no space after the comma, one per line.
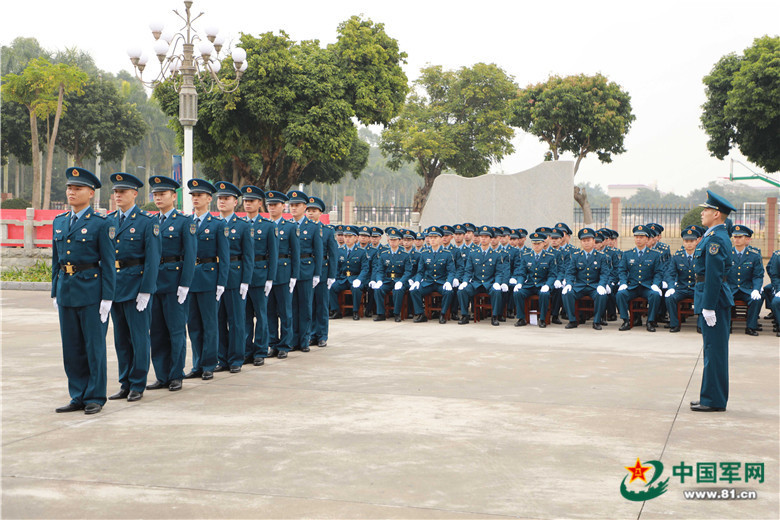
(99,215)
(147,215)
(63,214)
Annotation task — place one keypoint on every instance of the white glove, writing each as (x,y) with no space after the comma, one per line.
(292,284)
(455,282)
(315,281)
(447,286)
(463,286)
(415,286)
(141,301)
(517,288)
(497,286)
(755,295)
(378,284)
(601,290)
(669,292)
(105,308)
(622,287)
(609,289)
(398,286)
(777,294)
(513,281)
(545,288)
(566,289)
(331,281)
(664,285)
(411,282)
(54,302)
(243,289)
(657,289)
(220,290)
(504,287)
(371,285)
(557,284)
(181,294)
(356,284)
(709,317)
(268,286)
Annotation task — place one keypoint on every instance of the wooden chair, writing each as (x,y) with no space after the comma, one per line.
(532,306)
(584,304)
(481,303)
(739,311)
(636,307)
(684,309)
(345,306)
(432,303)
(389,305)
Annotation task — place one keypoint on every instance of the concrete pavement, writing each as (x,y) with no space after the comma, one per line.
(392,421)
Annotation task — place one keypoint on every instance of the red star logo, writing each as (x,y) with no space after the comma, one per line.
(637,471)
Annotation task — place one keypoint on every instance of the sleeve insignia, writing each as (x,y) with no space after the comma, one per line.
(227,232)
(193,228)
(714,248)
(156,229)
(111,232)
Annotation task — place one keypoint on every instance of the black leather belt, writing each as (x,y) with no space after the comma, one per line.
(72,269)
(700,278)
(121,264)
(171,259)
(211,260)
(261,257)
(235,258)
(307,255)
(284,256)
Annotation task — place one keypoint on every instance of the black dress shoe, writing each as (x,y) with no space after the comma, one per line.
(701,408)
(134,396)
(92,408)
(501,319)
(556,320)
(638,321)
(121,394)
(305,349)
(650,327)
(419,318)
(571,325)
(542,324)
(355,316)
(368,314)
(463,320)
(694,403)
(248,361)
(596,326)
(494,321)
(751,332)
(336,316)
(698,329)
(70,407)
(220,368)
(625,326)
(397,318)
(520,322)
(442,319)
(313,342)
(156,385)
(282,354)
(192,374)
(612,317)
(235,370)
(207,375)
(322,343)
(674,329)
(379,317)
(259,362)
(175,385)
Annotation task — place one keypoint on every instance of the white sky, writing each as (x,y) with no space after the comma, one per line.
(658,51)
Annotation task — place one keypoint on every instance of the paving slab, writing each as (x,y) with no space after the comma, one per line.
(391,420)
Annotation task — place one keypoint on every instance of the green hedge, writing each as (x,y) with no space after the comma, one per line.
(15,204)
(40,272)
(690,218)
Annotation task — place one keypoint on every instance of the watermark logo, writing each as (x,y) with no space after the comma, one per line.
(650,489)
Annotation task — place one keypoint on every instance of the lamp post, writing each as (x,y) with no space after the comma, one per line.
(183,67)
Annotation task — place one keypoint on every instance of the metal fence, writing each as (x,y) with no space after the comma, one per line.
(381,215)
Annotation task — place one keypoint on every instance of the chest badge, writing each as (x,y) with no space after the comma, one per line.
(111,232)
(259,231)
(232,230)
(83,231)
(132,230)
(207,231)
(171,228)
(281,232)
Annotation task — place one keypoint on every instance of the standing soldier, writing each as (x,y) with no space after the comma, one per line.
(174,278)
(82,288)
(137,265)
(712,301)
(535,274)
(746,276)
(352,270)
(679,276)
(266,256)
(280,324)
(587,274)
(435,272)
(310,247)
(318,332)
(392,269)
(485,272)
(212,263)
(641,273)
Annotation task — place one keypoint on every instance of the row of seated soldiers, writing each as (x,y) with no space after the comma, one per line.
(460,261)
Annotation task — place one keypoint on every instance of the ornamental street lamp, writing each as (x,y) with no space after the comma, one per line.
(182,67)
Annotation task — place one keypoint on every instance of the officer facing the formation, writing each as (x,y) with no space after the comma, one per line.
(641,274)
(485,272)
(266,253)
(587,275)
(392,270)
(746,276)
(679,276)
(535,274)
(232,305)
(212,263)
(318,332)
(169,305)
(352,270)
(280,325)
(82,288)
(310,247)
(435,272)
(712,301)
(137,266)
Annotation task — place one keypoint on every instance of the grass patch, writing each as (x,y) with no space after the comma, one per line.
(40,272)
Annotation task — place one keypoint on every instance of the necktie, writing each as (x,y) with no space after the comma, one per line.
(197,222)
(121,220)
(162,218)
(73,220)
(640,255)
(536,257)
(690,261)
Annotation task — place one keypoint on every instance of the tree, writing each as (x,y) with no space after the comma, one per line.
(457,121)
(576,114)
(743,104)
(41,88)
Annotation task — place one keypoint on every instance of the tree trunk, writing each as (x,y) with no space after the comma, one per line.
(148,169)
(50,148)
(36,161)
(581,196)
(18,183)
(421,196)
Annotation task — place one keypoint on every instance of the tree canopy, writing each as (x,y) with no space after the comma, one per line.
(455,120)
(743,104)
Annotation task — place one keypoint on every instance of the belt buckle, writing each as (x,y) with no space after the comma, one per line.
(116,264)
(392,276)
(69,269)
(349,273)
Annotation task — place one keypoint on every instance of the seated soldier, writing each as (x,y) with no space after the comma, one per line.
(746,276)
(392,268)
(640,274)
(485,272)
(352,270)
(587,274)
(435,272)
(534,273)
(679,276)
